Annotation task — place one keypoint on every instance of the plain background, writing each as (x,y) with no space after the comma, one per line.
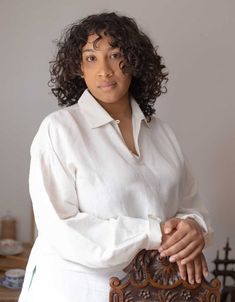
(196,39)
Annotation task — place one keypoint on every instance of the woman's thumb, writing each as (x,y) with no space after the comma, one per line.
(170,225)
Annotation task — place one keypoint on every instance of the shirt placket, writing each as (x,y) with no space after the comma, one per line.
(135,128)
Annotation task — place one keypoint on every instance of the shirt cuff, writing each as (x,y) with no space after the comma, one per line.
(155,233)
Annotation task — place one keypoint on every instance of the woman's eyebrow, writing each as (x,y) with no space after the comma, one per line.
(88,49)
(110,48)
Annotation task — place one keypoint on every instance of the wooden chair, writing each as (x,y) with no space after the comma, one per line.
(150,278)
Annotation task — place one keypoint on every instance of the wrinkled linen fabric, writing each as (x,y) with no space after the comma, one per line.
(97,204)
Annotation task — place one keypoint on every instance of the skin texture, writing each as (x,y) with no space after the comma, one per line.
(102,74)
(179,236)
(194,270)
(186,243)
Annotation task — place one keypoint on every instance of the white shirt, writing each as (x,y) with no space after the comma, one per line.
(97,204)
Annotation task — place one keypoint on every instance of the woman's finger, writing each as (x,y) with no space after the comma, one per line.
(198,269)
(190,272)
(171,224)
(197,251)
(188,231)
(182,271)
(183,248)
(182,252)
(173,239)
(204,266)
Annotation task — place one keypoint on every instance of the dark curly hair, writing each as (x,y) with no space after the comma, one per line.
(149,75)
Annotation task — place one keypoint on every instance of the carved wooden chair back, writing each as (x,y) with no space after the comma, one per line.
(150,278)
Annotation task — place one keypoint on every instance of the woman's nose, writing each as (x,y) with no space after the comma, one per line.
(105,70)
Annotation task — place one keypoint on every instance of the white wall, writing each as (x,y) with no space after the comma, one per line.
(196,39)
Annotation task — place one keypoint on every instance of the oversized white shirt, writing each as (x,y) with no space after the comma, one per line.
(97,204)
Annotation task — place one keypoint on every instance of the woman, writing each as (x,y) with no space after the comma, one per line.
(107,177)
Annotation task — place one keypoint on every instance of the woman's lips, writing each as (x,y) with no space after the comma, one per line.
(107,86)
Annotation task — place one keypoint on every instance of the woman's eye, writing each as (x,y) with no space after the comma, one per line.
(90,58)
(116,55)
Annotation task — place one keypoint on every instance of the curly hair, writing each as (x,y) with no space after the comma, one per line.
(149,76)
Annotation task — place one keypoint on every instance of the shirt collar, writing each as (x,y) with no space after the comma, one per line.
(97,116)
(137,112)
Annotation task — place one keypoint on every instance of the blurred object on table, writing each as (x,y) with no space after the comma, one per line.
(8,227)
(12,262)
(10,247)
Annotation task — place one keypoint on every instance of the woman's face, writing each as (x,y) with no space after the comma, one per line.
(101,70)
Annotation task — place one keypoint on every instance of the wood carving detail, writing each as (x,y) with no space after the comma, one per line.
(150,278)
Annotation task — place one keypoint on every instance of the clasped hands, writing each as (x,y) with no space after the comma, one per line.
(182,242)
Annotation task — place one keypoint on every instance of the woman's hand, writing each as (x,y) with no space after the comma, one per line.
(194,270)
(185,242)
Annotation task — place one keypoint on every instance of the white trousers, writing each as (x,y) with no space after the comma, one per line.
(62,281)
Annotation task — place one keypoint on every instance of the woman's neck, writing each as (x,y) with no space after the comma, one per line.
(118,110)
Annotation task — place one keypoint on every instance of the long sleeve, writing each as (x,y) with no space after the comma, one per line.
(76,236)
(191,204)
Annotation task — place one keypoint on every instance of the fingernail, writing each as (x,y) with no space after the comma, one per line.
(205,274)
(163,254)
(183,262)
(172,259)
(191,281)
(160,249)
(167,230)
(199,280)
